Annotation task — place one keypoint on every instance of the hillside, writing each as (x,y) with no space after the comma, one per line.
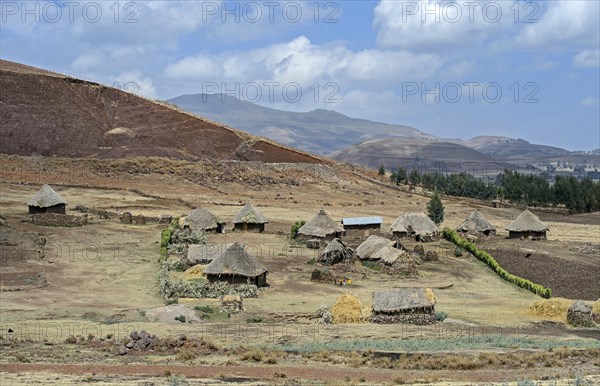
(513,149)
(49,114)
(395,152)
(317,131)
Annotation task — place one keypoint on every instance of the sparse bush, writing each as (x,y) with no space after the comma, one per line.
(185,355)
(205,309)
(71,340)
(311,261)
(255,355)
(458,252)
(375,266)
(172,301)
(255,319)
(180,318)
(295,227)
(440,316)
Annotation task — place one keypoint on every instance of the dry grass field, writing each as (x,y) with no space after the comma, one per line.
(101,279)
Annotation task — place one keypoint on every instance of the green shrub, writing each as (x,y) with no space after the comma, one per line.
(458,251)
(294,230)
(180,318)
(452,236)
(205,309)
(255,319)
(375,266)
(440,316)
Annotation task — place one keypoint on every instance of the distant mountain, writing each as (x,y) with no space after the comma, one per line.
(411,153)
(50,114)
(512,149)
(318,131)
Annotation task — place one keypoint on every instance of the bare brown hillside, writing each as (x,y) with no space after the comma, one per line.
(49,114)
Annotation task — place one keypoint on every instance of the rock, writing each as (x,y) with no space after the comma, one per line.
(419,249)
(134,335)
(580,314)
(143,334)
(431,256)
(183,337)
(122,350)
(130,344)
(126,218)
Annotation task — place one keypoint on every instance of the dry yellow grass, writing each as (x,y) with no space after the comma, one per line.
(195,272)
(596,307)
(347,309)
(554,308)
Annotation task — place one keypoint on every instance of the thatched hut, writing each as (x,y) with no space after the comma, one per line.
(362,226)
(527,225)
(370,246)
(409,305)
(320,227)
(236,266)
(46,200)
(205,253)
(202,219)
(476,223)
(249,220)
(416,225)
(336,252)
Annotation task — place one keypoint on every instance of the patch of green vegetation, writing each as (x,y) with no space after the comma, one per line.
(255,319)
(205,309)
(447,344)
(375,266)
(294,229)
(311,261)
(454,237)
(180,318)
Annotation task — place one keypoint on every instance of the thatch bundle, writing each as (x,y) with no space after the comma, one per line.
(45,198)
(321,226)
(553,308)
(477,223)
(527,222)
(415,224)
(249,215)
(347,309)
(336,252)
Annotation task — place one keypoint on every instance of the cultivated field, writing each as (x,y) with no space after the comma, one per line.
(101,279)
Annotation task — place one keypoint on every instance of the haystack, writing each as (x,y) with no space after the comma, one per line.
(404,305)
(249,219)
(527,225)
(336,252)
(320,227)
(553,308)
(476,223)
(46,200)
(370,246)
(195,272)
(347,309)
(202,219)
(416,225)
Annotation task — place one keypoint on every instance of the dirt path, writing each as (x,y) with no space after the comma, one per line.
(311,373)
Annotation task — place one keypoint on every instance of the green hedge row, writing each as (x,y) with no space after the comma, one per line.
(453,236)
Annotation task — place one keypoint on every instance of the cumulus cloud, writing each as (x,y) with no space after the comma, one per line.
(587,58)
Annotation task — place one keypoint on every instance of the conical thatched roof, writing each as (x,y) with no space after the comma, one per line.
(370,246)
(403,299)
(527,221)
(389,255)
(235,261)
(320,226)
(203,253)
(45,198)
(476,223)
(336,252)
(249,215)
(418,223)
(201,218)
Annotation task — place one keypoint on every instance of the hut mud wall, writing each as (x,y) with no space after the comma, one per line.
(364,230)
(60,209)
(527,234)
(259,281)
(247,227)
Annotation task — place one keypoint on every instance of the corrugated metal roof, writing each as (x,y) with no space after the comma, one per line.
(362,220)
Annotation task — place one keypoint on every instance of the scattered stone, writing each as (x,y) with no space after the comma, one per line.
(122,350)
(580,314)
(431,256)
(419,249)
(126,218)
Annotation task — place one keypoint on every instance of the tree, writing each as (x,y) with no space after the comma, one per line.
(435,209)
(381,171)
(414,177)
(401,175)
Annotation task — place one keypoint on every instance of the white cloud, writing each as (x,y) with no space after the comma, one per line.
(587,58)
(590,102)
(563,25)
(303,62)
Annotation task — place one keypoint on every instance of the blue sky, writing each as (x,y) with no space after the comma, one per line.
(455,69)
